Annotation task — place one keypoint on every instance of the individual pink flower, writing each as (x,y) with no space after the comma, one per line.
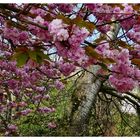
(52,125)
(25,112)
(22,104)
(23,36)
(78,36)
(62,35)
(59,85)
(66,68)
(58,30)
(12,127)
(37,97)
(12,104)
(39,19)
(66,8)
(128,9)
(45,110)
(46,97)
(13,83)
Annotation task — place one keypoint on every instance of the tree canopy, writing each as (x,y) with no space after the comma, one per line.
(44,45)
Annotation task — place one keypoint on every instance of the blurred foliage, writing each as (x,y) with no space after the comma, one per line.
(105,118)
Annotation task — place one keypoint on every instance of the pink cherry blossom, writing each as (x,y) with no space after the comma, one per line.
(59,85)
(57,30)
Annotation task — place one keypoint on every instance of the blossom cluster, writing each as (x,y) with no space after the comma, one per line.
(125,76)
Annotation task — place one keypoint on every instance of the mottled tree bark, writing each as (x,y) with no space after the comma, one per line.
(85,93)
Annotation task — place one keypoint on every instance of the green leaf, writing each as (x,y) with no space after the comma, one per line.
(39,59)
(78,21)
(33,55)
(107,60)
(44,56)
(90,51)
(124,45)
(22,59)
(38,55)
(136,62)
(104,67)
(81,23)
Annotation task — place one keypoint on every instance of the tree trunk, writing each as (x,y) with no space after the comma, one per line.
(85,96)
